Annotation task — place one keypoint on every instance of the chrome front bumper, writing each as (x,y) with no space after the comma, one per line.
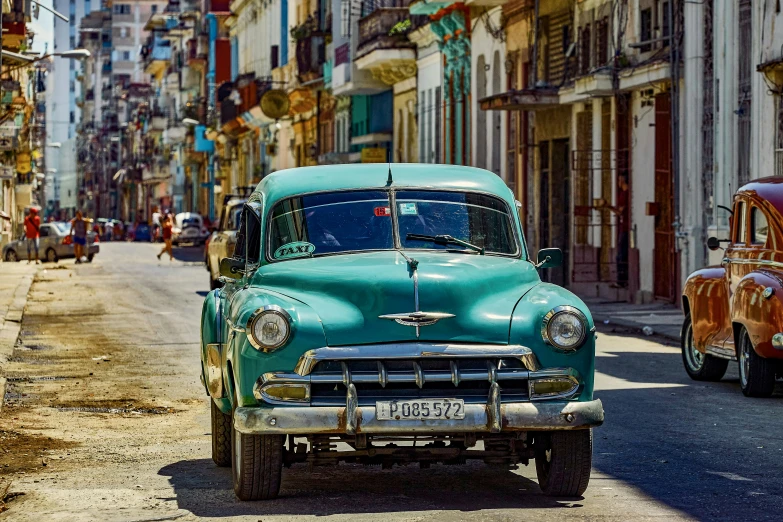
(523,416)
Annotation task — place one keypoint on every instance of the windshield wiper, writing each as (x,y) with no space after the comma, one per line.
(444,239)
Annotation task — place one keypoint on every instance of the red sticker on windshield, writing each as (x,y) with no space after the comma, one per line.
(382,211)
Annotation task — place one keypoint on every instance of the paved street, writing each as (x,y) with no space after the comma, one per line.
(105,419)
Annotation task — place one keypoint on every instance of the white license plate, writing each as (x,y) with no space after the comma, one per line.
(420,409)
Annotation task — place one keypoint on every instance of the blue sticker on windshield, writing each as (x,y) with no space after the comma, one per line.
(408,209)
(295,249)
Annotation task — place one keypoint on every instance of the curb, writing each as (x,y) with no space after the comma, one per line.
(632,325)
(11,325)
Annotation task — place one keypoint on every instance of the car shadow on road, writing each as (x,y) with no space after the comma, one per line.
(189,254)
(206,490)
(698,447)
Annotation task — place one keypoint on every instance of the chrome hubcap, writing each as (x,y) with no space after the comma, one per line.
(744,362)
(694,357)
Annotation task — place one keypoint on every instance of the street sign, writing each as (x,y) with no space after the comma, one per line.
(373,155)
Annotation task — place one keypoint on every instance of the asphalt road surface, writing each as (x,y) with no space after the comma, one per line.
(105,419)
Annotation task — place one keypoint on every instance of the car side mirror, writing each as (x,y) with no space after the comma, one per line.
(549,258)
(713,243)
(232,268)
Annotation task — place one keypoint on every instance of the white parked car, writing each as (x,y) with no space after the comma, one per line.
(189,228)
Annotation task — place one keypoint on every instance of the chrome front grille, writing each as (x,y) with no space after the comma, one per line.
(468,378)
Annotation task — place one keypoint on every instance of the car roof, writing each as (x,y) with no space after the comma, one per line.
(291,182)
(769,189)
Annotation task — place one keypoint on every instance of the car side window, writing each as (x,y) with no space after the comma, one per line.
(44,231)
(759,228)
(740,220)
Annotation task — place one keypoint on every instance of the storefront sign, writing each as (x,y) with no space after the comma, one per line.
(373,155)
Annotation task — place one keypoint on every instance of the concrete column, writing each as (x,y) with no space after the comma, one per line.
(726,16)
(691,141)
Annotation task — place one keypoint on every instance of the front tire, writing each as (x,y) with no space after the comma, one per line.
(699,366)
(757,374)
(563,462)
(256,465)
(11,256)
(221,437)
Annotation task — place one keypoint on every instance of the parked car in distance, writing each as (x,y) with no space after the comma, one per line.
(55,243)
(223,239)
(735,311)
(142,232)
(395,309)
(189,228)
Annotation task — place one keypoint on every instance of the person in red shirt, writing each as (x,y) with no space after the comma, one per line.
(32,231)
(166,226)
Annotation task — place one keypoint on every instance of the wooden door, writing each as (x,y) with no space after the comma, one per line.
(663,251)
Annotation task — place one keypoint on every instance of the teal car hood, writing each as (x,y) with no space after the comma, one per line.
(349,292)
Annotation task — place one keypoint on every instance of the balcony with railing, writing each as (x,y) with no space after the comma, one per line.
(384,47)
(310,47)
(156,55)
(197,52)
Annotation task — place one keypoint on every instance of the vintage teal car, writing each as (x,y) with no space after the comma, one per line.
(395,310)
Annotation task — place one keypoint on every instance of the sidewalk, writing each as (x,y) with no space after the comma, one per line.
(665,319)
(15,282)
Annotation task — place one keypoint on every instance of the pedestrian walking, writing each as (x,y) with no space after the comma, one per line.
(32,231)
(79,233)
(166,227)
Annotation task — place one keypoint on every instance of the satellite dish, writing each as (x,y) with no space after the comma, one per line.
(274,104)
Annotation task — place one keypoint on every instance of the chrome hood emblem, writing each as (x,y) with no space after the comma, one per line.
(416,318)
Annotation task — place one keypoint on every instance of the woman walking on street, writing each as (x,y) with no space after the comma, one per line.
(166,228)
(79,233)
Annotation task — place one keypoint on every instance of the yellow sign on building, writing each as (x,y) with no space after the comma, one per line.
(23,164)
(374,155)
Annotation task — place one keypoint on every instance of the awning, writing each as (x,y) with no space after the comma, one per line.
(524,100)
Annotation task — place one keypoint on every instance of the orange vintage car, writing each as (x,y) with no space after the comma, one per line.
(735,311)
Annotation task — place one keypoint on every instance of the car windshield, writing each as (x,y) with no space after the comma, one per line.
(332,222)
(328,223)
(62,227)
(480,220)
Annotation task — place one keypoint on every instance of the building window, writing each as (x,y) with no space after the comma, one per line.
(125,56)
(73,117)
(123,9)
(645,29)
(602,42)
(154,8)
(584,50)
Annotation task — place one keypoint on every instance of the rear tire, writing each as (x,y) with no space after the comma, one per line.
(563,462)
(89,258)
(256,465)
(11,256)
(221,437)
(699,366)
(757,374)
(51,256)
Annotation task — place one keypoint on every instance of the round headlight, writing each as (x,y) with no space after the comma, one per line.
(269,328)
(565,328)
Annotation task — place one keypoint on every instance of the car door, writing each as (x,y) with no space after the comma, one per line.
(45,242)
(735,261)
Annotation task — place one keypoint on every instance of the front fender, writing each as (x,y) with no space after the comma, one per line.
(761,317)
(247,363)
(210,328)
(705,297)
(525,329)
